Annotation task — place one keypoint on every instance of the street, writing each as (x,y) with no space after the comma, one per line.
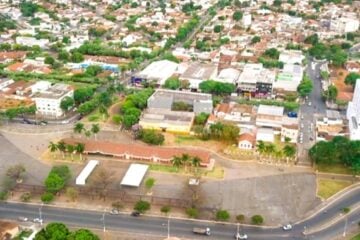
(183,228)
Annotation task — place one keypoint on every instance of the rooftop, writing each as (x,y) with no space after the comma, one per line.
(270,110)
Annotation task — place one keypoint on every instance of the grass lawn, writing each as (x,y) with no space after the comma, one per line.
(216,172)
(327,188)
(335,168)
(357,237)
(185,139)
(49,156)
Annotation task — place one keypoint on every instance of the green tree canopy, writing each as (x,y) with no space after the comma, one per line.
(172,83)
(351,78)
(217,88)
(67,103)
(28,8)
(222,215)
(237,16)
(142,206)
(305,87)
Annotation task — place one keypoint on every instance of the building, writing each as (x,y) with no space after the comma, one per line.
(269,116)
(288,79)
(30,42)
(247,141)
(289,129)
(158,71)
(228,75)
(199,72)
(353,113)
(291,57)
(330,126)
(48,101)
(7,57)
(256,81)
(164,99)
(265,135)
(234,113)
(344,25)
(166,120)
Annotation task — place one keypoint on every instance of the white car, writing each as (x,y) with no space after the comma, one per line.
(309,103)
(287,227)
(23,219)
(239,236)
(38,220)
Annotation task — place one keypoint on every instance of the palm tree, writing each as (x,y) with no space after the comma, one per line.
(185,158)
(95,129)
(70,149)
(103,111)
(195,162)
(62,147)
(53,148)
(289,151)
(79,128)
(80,148)
(260,146)
(176,161)
(87,133)
(270,148)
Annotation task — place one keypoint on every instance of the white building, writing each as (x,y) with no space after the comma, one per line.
(291,57)
(228,75)
(246,20)
(199,72)
(289,78)
(353,113)
(48,101)
(344,25)
(30,41)
(159,71)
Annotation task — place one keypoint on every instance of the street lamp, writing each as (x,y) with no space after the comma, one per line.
(103,220)
(168,227)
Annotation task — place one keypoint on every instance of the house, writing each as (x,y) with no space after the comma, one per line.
(7,57)
(4,82)
(228,75)
(48,101)
(30,42)
(8,230)
(158,71)
(256,81)
(291,57)
(247,141)
(353,113)
(289,130)
(343,25)
(199,72)
(269,116)
(234,113)
(353,67)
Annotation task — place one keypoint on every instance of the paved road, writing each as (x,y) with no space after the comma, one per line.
(182,228)
(311,107)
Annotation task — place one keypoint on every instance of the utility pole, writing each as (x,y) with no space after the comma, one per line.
(168,228)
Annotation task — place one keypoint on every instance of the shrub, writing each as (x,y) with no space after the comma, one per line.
(257,219)
(192,212)
(151,137)
(346,210)
(47,197)
(117,205)
(240,218)
(3,195)
(222,215)
(25,197)
(142,206)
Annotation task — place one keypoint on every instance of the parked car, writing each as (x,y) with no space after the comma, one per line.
(43,123)
(23,219)
(292,114)
(287,227)
(38,220)
(114,212)
(239,236)
(309,103)
(135,214)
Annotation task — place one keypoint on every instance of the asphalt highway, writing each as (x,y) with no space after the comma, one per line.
(183,228)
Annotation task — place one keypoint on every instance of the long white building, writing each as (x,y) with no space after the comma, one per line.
(353,113)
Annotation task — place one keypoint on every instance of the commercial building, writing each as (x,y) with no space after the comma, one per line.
(291,57)
(199,72)
(269,116)
(158,71)
(288,79)
(330,126)
(48,101)
(353,113)
(256,81)
(344,25)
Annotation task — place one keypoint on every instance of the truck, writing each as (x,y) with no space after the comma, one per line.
(202,231)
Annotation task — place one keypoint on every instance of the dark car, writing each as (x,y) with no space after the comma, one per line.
(135,214)
(292,114)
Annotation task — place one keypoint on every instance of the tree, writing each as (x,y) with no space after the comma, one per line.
(53,231)
(83,94)
(70,149)
(351,78)
(218,28)
(63,171)
(79,128)
(217,88)
(28,8)
(54,183)
(255,39)
(117,119)
(305,87)
(77,57)
(172,83)
(277,3)
(201,118)
(95,129)
(61,146)
(312,39)
(192,212)
(323,153)
(63,56)
(331,93)
(93,70)
(142,206)
(184,84)
(80,148)
(222,215)
(240,218)
(176,161)
(72,193)
(237,16)
(49,60)
(257,220)
(149,183)
(270,148)
(25,197)
(16,172)
(289,151)
(272,53)
(260,146)
(196,162)
(53,148)
(82,234)
(165,209)
(102,180)
(47,197)
(151,137)
(67,103)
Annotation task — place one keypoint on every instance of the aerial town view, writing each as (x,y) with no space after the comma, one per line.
(179,119)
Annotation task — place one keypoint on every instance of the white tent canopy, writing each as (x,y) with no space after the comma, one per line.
(134,175)
(85,173)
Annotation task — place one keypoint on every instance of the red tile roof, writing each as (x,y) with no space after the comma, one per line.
(137,151)
(247,137)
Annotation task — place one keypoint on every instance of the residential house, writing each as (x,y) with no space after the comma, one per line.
(247,141)
(30,42)
(289,129)
(269,116)
(352,67)
(330,125)
(343,25)
(7,57)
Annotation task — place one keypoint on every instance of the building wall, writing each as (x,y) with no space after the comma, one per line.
(290,133)
(245,145)
(50,106)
